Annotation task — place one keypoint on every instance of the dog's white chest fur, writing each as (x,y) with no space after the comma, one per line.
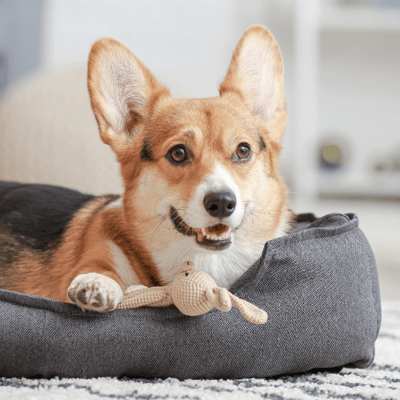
(225,267)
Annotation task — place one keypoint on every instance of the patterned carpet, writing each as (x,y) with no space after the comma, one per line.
(380,381)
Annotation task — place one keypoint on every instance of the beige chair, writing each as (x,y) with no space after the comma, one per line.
(48,134)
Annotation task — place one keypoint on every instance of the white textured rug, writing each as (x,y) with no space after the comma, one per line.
(380,381)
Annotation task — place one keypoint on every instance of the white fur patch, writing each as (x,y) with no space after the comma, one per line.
(115,204)
(225,267)
(283,224)
(122,266)
(134,288)
(95,292)
(196,216)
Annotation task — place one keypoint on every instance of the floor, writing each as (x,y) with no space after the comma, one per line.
(380,222)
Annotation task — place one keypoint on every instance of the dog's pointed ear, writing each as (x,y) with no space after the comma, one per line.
(256,74)
(121,89)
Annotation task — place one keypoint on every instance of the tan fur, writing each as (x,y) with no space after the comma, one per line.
(134,112)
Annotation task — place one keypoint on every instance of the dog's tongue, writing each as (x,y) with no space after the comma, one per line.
(216,232)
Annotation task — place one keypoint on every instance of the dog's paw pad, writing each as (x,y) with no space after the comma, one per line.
(95,292)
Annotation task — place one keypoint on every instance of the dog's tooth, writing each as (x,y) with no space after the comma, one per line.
(223,236)
(227,234)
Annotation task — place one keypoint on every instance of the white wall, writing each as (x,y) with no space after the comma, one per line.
(20,38)
(186,44)
(360,103)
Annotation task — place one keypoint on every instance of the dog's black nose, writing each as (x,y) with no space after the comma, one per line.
(220,204)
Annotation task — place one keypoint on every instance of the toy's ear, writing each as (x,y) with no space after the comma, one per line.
(222,299)
(152,297)
(187,266)
(249,311)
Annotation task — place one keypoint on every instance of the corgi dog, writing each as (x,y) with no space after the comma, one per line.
(201,184)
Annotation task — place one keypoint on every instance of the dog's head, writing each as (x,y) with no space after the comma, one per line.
(201,175)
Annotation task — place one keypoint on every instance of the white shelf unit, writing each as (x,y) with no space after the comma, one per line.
(358,18)
(312,17)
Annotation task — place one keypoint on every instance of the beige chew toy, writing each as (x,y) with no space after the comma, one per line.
(193,292)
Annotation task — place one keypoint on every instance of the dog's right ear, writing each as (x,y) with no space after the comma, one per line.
(121,89)
(256,74)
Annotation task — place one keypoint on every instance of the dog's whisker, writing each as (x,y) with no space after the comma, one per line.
(158,226)
(253,209)
(149,219)
(253,215)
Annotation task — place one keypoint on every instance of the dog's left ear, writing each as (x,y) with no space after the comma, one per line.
(256,74)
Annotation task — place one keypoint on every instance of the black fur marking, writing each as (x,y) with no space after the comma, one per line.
(38,214)
(146,154)
(10,246)
(99,300)
(81,296)
(261,143)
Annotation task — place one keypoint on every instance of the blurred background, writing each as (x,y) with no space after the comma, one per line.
(341,152)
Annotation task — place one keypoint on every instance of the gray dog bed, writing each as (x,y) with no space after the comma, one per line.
(319,286)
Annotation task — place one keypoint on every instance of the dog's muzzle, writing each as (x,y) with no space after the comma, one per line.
(216,237)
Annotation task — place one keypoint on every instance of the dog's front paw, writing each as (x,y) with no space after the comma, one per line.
(95,292)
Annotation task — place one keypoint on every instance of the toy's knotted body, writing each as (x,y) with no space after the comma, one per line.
(193,292)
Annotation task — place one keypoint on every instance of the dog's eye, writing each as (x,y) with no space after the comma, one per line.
(178,154)
(243,152)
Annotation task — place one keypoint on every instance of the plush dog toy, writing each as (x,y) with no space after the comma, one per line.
(193,292)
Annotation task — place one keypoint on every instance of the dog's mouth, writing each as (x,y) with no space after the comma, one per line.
(216,237)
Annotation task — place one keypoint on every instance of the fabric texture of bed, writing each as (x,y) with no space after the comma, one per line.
(319,286)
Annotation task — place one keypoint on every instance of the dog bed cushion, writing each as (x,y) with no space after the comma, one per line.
(318,284)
